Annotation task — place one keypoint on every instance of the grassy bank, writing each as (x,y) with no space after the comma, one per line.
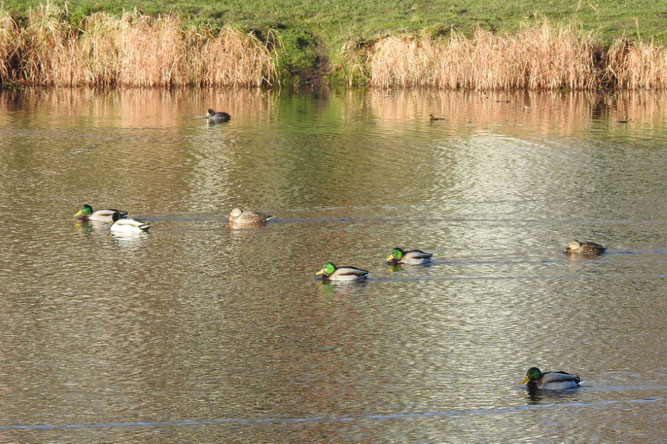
(387,43)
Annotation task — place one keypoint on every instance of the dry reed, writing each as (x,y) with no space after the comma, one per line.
(133,50)
(633,65)
(537,57)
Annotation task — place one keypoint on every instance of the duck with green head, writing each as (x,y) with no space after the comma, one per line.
(125,225)
(86,213)
(535,379)
(412,257)
(587,248)
(330,272)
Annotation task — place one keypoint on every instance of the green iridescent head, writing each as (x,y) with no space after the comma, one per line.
(86,210)
(533,374)
(396,255)
(327,270)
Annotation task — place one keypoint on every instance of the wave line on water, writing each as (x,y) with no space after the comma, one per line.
(366,417)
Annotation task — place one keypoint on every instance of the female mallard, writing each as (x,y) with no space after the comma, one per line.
(124,225)
(217,117)
(550,380)
(331,273)
(412,257)
(86,213)
(247,217)
(591,248)
(434,118)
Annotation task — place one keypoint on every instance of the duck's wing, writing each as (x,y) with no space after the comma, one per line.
(350,271)
(551,377)
(256,216)
(417,254)
(592,248)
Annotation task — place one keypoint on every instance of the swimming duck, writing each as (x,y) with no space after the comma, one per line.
(575,247)
(247,217)
(550,380)
(412,257)
(217,117)
(432,118)
(86,213)
(331,273)
(125,225)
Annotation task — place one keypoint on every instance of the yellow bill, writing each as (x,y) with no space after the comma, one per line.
(526,379)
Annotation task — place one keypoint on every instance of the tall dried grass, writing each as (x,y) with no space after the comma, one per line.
(632,65)
(9,33)
(133,50)
(537,57)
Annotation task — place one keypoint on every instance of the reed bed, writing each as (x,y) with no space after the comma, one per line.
(133,50)
(538,57)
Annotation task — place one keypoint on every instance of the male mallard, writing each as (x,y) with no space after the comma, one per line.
(247,217)
(86,213)
(124,225)
(550,380)
(412,257)
(332,273)
(591,248)
(217,117)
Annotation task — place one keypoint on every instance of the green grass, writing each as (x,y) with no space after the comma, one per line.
(336,21)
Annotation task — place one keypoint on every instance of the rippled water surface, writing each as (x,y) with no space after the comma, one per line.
(197,332)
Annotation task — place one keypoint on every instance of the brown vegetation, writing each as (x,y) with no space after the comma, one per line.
(133,50)
(540,57)
(138,50)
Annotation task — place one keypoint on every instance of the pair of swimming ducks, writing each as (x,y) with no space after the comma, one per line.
(417,257)
(119,221)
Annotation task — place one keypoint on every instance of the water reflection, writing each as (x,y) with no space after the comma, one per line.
(199,332)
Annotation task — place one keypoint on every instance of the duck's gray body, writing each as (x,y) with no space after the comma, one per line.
(346,274)
(555,381)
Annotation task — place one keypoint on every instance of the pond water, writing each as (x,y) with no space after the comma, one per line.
(199,332)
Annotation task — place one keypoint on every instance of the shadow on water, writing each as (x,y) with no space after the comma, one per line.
(359,418)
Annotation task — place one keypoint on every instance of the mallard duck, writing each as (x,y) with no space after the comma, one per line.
(217,117)
(412,257)
(432,118)
(247,217)
(86,213)
(331,273)
(591,248)
(550,380)
(125,225)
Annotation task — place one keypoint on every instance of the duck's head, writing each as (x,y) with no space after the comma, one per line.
(210,113)
(572,246)
(533,375)
(327,270)
(86,210)
(396,255)
(236,212)
(116,215)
